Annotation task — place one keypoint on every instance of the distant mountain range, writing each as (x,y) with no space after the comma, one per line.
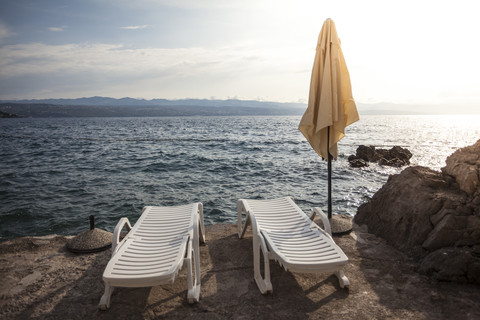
(129,107)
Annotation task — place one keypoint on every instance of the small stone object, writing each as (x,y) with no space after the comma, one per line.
(93,240)
(357,162)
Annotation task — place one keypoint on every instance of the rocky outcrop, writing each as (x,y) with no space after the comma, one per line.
(433,216)
(8,115)
(459,264)
(394,157)
(464,166)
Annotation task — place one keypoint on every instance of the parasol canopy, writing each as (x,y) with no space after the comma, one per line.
(330,102)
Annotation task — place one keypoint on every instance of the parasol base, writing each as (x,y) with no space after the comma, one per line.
(341,224)
(90,241)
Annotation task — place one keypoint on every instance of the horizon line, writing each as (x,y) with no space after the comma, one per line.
(470,104)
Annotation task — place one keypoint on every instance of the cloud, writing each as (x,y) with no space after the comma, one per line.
(39,58)
(57,29)
(4,31)
(187,4)
(149,72)
(135,27)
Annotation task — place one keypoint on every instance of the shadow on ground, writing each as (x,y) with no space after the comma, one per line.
(400,292)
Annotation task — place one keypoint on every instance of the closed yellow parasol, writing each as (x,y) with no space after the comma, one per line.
(331,107)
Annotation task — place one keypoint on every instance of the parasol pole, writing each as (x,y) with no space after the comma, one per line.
(329,169)
(339,226)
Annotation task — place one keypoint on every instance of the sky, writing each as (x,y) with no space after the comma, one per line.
(404,52)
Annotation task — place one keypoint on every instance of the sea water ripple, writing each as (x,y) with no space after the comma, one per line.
(55,173)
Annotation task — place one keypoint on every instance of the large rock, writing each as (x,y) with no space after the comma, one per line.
(366,153)
(400,211)
(453,264)
(433,216)
(454,230)
(464,166)
(394,157)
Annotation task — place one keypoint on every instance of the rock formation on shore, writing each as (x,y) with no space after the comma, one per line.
(433,216)
(394,157)
(8,115)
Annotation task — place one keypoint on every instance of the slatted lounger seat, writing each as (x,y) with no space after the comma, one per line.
(154,250)
(281,231)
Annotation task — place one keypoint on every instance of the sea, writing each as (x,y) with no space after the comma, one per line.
(56,172)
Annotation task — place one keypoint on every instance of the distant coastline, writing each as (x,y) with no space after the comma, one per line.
(129,107)
(31,110)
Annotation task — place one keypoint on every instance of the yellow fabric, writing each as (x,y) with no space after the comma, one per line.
(330,101)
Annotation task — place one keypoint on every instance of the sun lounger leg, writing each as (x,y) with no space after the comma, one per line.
(193,278)
(105,299)
(264,285)
(342,279)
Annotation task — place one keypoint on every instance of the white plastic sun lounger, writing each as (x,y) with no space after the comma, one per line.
(281,231)
(154,250)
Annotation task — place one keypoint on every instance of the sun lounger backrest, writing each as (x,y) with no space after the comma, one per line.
(277,214)
(163,223)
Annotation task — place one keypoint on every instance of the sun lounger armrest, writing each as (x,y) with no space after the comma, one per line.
(324,218)
(201,223)
(116,233)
